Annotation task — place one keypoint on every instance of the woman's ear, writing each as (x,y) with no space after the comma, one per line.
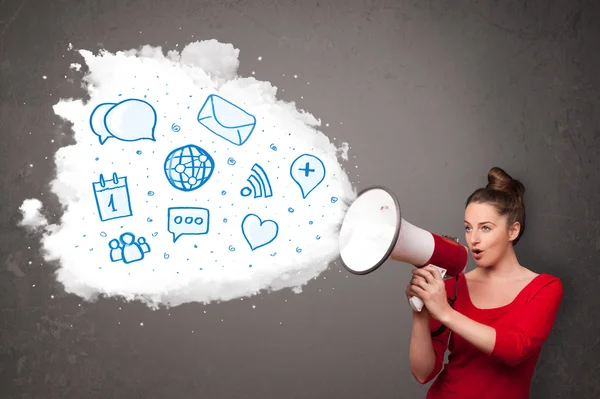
(513,231)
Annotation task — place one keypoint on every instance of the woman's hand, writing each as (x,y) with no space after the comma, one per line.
(427,284)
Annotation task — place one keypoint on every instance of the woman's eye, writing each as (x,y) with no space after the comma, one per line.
(486,227)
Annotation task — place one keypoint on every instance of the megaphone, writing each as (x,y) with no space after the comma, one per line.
(374,231)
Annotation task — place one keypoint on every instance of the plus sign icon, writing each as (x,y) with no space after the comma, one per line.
(308,172)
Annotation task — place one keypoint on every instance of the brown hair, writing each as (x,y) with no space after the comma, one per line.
(506,195)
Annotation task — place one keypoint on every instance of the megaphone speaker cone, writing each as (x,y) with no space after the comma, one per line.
(369,230)
(373,231)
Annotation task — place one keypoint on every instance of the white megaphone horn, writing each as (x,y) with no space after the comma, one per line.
(373,231)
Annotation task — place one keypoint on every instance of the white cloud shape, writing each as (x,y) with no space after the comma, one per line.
(32,216)
(217,263)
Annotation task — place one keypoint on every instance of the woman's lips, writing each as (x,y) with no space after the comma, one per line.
(477,255)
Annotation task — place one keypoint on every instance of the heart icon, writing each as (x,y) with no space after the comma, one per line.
(258,233)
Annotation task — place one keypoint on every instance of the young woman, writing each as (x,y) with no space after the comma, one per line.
(502,314)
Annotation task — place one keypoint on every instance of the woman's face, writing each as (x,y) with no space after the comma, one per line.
(486,231)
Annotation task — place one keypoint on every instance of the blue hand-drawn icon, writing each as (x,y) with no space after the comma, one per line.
(189,167)
(126,248)
(257,232)
(97,121)
(260,183)
(188,221)
(308,172)
(112,198)
(129,120)
(226,119)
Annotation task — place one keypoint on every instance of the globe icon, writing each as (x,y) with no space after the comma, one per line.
(189,167)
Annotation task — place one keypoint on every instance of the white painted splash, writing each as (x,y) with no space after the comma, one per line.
(32,216)
(220,264)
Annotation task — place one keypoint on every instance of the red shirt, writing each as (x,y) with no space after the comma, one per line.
(522,326)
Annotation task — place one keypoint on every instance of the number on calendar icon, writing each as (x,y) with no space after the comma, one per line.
(112,198)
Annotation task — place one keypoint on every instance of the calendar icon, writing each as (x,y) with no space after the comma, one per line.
(112,198)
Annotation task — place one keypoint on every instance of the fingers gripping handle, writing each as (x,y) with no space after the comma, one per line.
(415,302)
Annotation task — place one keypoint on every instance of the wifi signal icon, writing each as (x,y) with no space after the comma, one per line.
(260,183)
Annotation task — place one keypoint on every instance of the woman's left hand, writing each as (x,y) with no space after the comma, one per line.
(428,284)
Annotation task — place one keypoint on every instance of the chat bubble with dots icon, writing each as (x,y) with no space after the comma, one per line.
(188,221)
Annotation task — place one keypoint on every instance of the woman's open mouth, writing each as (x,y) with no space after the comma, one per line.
(477,254)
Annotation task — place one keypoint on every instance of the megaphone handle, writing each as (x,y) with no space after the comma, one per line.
(416,303)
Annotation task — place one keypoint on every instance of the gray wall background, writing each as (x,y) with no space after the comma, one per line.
(431,95)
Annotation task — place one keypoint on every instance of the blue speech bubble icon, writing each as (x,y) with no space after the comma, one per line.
(308,172)
(129,120)
(97,121)
(188,221)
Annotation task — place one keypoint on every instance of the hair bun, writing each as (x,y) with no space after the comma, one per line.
(499,180)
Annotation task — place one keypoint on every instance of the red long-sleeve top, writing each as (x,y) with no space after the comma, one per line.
(521,327)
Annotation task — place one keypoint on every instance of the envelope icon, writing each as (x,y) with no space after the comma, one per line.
(226,119)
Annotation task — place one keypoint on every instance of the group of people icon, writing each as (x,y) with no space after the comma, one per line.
(126,249)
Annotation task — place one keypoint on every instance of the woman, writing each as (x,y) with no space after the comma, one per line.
(502,314)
